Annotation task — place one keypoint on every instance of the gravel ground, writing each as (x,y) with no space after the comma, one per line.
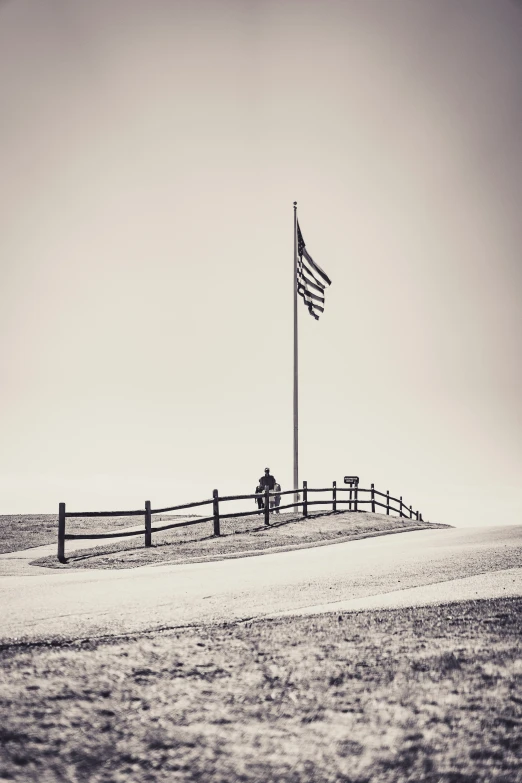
(239,536)
(426,695)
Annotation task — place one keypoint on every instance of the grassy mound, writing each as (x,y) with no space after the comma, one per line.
(23,531)
(239,536)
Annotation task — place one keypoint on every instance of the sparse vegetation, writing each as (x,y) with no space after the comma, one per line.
(239,536)
(23,531)
(425,695)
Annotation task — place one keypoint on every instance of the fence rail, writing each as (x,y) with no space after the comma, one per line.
(353,502)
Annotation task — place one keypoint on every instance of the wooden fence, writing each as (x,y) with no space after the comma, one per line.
(354,500)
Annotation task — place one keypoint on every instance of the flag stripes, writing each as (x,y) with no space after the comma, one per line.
(311,283)
(310,276)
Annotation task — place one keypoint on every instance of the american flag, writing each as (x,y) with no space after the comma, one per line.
(311,280)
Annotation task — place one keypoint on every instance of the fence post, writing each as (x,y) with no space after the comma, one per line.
(148,524)
(334,496)
(373,498)
(388,502)
(421,519)
(350,499)
(61,532)
(411,513)
(417,516)
(215,504)
(305,498)
(267,505)
(356,495)
(400,506)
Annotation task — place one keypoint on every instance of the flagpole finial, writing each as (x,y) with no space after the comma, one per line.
(295,204)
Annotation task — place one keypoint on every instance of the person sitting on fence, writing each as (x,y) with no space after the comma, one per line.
(276,500)
(259,501)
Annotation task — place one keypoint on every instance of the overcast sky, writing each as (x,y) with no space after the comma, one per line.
(150,152)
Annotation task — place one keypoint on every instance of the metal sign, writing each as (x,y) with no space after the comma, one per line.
(351,480)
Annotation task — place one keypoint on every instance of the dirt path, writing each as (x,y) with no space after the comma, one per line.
(82,603)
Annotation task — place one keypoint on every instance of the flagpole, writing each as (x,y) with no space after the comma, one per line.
(296,357)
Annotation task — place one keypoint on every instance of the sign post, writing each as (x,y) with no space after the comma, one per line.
(352,481)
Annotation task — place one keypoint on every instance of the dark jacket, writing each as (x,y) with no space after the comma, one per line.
(267,481)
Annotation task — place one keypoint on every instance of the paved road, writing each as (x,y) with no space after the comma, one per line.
(405,569)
